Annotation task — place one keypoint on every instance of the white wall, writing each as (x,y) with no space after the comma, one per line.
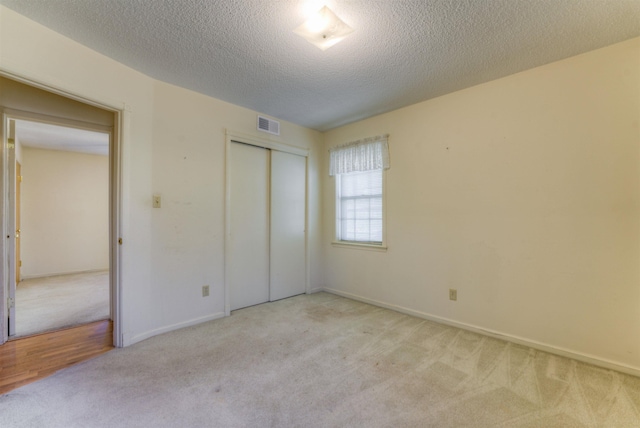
(64,212)
(524,195)
(167,253)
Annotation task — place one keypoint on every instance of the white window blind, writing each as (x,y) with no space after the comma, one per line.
(359,206)
(358,167)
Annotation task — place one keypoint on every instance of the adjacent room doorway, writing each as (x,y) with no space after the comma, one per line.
(61,228)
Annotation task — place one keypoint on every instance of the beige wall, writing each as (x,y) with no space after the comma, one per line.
(167,253)
(20,97)
(189,174)
(524,195)
(64,212)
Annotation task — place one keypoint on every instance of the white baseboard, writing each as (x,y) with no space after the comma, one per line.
(316,290)
(590,359)
(127,339)
(45,275)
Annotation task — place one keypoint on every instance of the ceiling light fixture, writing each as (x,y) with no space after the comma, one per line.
(324,29)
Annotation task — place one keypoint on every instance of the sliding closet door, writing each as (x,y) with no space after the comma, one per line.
(248,264)
(288,189)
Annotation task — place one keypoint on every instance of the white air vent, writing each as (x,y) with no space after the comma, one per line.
(268,125)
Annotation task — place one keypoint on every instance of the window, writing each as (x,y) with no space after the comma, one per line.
(359,207)
(359,171)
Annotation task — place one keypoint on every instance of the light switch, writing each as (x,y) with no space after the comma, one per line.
(157,202)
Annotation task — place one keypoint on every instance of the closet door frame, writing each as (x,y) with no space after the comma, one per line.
(266,143)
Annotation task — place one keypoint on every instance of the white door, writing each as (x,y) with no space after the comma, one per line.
(248,264)
(288,190)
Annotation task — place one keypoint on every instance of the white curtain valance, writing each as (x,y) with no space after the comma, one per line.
(363,155)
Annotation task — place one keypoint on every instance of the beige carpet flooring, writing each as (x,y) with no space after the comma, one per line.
(54,302)
(325,361)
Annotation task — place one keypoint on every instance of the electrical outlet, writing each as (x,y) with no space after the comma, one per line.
(205,290)
(453,294)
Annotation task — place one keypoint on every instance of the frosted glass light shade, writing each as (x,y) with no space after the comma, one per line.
(324,29)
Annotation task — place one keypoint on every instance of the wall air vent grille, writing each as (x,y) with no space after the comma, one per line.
(268,125)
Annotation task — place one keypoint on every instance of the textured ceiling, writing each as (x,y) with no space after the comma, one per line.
(53,137)
(402,51)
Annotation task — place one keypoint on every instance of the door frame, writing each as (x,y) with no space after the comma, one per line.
(265,143)
(9,223)
(121,119)
(18,220)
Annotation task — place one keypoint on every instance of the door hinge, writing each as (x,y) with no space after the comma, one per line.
(11,143)
(20,263)
(11,302)
(20,178)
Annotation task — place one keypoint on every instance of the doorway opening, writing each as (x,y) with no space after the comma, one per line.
(60,209)
(62,227)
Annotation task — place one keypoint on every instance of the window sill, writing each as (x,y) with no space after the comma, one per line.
(358,246)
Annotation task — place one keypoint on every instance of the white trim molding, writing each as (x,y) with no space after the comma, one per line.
(585,358)
(130,340)
(359,246)
(266,143)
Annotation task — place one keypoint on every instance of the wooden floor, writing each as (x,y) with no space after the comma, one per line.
(28,359)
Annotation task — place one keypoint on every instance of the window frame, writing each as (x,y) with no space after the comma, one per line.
(356,244)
